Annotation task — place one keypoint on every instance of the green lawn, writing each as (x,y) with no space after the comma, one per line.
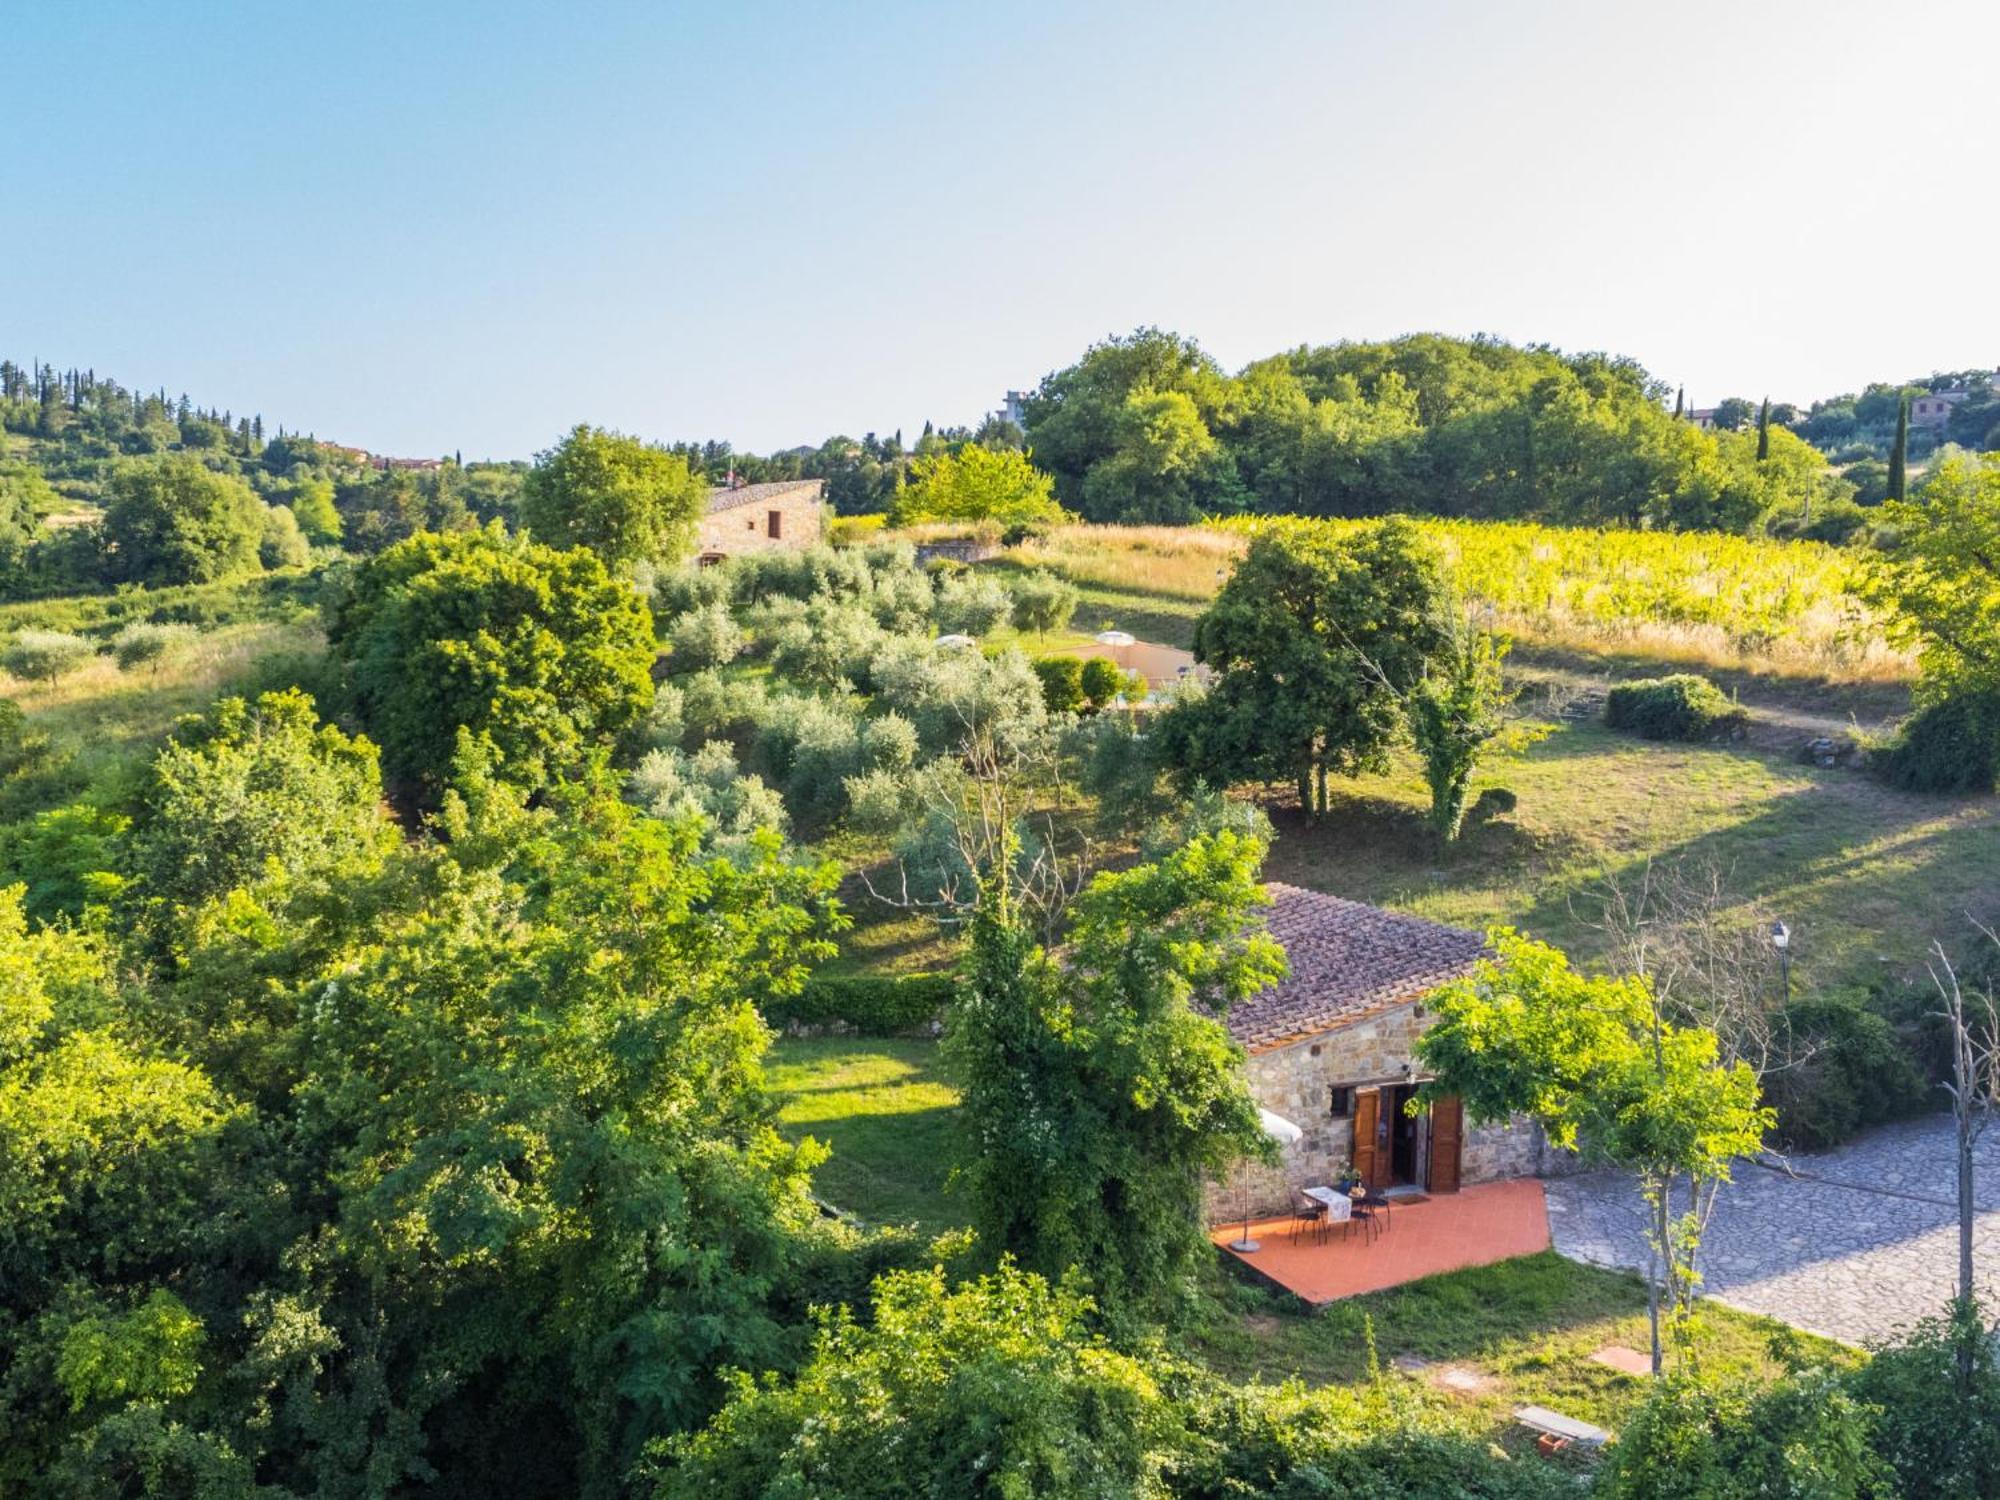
(1526,1326)
(1865,876)
(884,1108)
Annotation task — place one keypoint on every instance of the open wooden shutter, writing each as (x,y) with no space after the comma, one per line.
(1447,1141)
(1369,1161)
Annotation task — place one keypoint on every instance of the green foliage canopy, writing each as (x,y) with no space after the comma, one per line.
(625,500)
(172,520)
(977,484)
(541,651)
(1315,640)
(1099,1089)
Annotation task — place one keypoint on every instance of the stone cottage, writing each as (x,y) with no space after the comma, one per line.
(1332,1050)
(760,517)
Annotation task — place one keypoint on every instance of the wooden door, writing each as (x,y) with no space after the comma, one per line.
(1447,1142)
(1371,1143)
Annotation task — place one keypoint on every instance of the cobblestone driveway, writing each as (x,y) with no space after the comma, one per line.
(1861,1241)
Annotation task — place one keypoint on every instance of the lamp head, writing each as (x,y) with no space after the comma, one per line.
(1781,936)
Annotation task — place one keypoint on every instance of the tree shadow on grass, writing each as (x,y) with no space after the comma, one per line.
(1860,879)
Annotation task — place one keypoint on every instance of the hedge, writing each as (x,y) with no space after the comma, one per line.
(1952,745)
(1681,707)
(871,1004)
(1062,682)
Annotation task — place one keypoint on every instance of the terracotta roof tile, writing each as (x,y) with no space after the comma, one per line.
(1349,960)
(722,497)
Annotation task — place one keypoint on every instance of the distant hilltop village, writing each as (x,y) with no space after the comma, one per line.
(369,460)
(1931,405)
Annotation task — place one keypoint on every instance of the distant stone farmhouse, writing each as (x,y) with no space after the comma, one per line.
(1934,408)
(760,517)
(1332,1050)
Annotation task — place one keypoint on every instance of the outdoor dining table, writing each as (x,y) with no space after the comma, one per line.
(1339,1207)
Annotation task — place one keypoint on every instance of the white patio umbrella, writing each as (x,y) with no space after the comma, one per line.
(954,641)
(1116,638)
(1285,1133)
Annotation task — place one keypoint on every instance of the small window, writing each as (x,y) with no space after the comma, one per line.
(777,525)
(1342,1102)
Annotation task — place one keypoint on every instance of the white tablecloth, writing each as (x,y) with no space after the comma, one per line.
(1339,1207)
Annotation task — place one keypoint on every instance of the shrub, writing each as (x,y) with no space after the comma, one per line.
(715,707)
(45,655)
(1939,1394)
(870,1004)
(678,590)
(1696,1439)
(666,722)
(1848,1069)
(903,601)
(1831,521)
(282,544)
(994,1387)
(1102,681)
(1950,745)
(1062,683)
(877,801)
(813,747)
(705,637)
(1681,707)
(144,644)
(1494,802)
(954,696)
(1117,768)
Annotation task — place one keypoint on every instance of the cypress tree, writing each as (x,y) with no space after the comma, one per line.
(1899,452)
(1764,431)
(1680,402)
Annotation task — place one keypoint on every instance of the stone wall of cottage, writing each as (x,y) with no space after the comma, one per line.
(1298,1081)
(747,527)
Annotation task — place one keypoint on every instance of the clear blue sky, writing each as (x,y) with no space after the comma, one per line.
(426,226)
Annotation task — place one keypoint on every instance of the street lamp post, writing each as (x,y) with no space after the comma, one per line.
(1781,939)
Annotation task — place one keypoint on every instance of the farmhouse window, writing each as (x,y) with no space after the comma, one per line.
(777,525)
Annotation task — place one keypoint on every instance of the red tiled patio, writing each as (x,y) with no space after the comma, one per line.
(1490,1222)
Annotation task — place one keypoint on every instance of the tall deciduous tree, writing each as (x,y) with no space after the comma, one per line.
(171,520)
(977,484)
(541,651)
(1941,579)
(1596,1062)
(625,500)
(1100,1090)
(1315,639)
(1458,713)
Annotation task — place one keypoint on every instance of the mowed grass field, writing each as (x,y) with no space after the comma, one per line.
(1524,1329)
(1865,876)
